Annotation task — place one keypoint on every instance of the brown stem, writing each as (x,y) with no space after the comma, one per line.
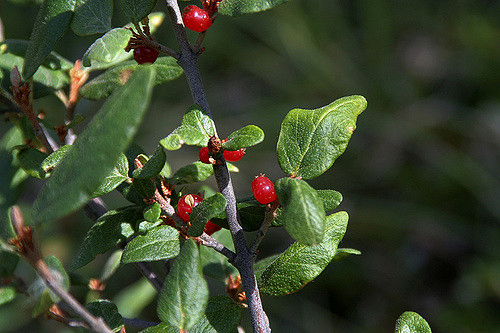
(244,258)
(29,250)
(268,219)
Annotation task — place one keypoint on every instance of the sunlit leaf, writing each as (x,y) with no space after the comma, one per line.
(311,140)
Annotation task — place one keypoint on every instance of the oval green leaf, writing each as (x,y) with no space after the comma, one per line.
(158,243)
(184,296)
(136,10)
(192,173)
(152,213)
(97,150)
(331,199)
(51,23)
(242,7)
(109,49)
(244,137)
(303,211)
(300,264)
(196,128)
(311,140)
(118,175)
(92,16)
(110,229)
(412,322)
(107,311)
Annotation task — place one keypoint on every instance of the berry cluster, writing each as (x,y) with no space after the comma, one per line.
(185,206)
(229,155)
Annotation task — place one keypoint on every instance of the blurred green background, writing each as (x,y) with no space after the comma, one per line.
(420,177)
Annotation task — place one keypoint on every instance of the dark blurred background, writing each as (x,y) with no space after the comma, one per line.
(420,177)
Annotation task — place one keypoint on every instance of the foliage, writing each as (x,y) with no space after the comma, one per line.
(399,133)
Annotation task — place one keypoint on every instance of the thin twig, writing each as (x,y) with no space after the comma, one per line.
(268,219)
(23,95)
(244,259)
(217,246)
(29,250)
(199,42)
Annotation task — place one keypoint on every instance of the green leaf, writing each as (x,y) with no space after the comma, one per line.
(118,175)
(97,150)
(111,265)
(331,199)
(51,161)
(103,85)
(48,78)
(30,160)
(134,298)
(214,264)
(154,165)
(196,128)
(244,137)
(109,50)
(8,263)
(110,229)
(152,213)
(303,211)
(412,322)
(11,179)
(108,311)
(344,253)
(7,294)
(192,173)
(184,296)
(92,16)
(50,24)
(300,263)
(43,302)
(242,7)
(311,140)
(204,211)
(136,10)
(18,47)
(251,216)
(222,315)
(260,266)
(144,187)
(158,243)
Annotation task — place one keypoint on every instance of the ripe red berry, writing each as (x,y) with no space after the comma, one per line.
(186,204)
(263,190)
(196,19)
(211,227)
(145,54)
(234,155)
(204,156)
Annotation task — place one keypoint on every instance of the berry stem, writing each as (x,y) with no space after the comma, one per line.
(244,258)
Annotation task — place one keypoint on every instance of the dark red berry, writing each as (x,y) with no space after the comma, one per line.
(196,19)
(211,227)
(204,156)
(145,54)
(263,190)
(234,155)
(186,204)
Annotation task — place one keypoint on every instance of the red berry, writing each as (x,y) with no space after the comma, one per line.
(196,19)
(145,54)
(234,155)
(211,227)
(263,190)
(204,156)
(186,204)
